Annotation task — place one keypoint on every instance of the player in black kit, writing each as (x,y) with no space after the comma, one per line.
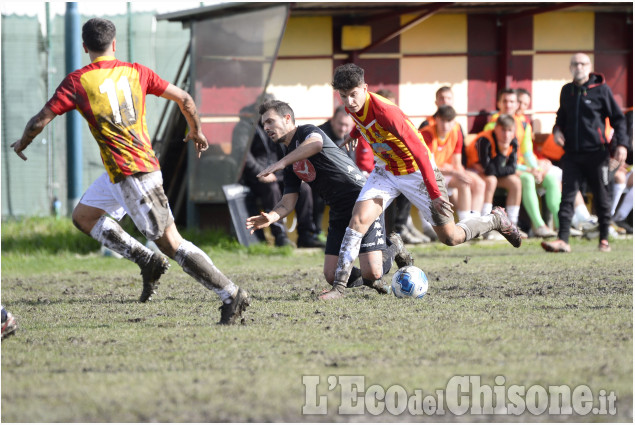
(312,157)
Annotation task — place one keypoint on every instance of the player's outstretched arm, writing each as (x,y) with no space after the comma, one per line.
(34,127)
(188,109)
(281,210)
(307,149)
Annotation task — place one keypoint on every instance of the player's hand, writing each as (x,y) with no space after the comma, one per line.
(269,178)
(276,166)
(538,175)
(442,206)
(558,137)
(463,177)
(18,147)
(258,222)
(199,139)
(620,154)
(349,144)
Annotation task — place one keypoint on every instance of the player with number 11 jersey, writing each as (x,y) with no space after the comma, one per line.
(110,94)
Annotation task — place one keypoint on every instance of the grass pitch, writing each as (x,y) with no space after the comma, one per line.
(86,351)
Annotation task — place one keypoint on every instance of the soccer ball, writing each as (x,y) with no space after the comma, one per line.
(409,282)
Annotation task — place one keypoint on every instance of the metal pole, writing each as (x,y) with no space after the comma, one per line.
(129,22)
(72,37)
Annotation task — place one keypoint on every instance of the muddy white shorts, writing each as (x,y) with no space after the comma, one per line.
(386,186)
(141,196)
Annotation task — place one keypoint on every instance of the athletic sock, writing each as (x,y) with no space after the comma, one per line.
(627,206)
(348,253)
(476,226)
(618,188)
(463,215)
(553,196)
(198,265)
(530,200)
(512,213)
(487,208)
(110,234)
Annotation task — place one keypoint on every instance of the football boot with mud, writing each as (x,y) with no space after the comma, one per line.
(335,293)
(230,313)
(380,286)
(507,228)
(403,257)
(151,274)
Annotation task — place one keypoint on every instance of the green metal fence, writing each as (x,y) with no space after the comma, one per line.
(28,188)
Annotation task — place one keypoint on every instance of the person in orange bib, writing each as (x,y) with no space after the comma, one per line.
(445,141)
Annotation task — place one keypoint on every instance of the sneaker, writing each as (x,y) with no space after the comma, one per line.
(310,241)
(332,294)
(416,233)
(151,274)
(544,232)
(283,240)
(379,286)
(625,225)
(618,229)
(556,246)
(506,227)
(589,225)
(9,324)
(229,313)
(604,246)
(403,257)
(408,237)
(575,233)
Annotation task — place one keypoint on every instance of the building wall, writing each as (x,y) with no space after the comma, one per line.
(461,51)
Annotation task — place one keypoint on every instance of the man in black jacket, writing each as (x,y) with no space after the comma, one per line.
(585,103)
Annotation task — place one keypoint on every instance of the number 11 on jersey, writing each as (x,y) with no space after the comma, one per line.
(110,89)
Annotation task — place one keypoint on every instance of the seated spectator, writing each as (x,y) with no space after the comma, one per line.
(531,173)
(494,157)
(621,214)
(445,141)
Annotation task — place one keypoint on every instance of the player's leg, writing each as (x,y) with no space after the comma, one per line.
(491,182)
(477,191)
(553,192)
(364,214)
(463,202)
(199,265)
(597,178)
(532,205)
(453,234)
(97,213)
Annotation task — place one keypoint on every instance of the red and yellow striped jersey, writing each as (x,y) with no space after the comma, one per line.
(394,140)
(110,95)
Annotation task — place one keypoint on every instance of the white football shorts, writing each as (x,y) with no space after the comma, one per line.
(141,196)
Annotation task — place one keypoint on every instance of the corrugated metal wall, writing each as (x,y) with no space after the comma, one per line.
(27,187)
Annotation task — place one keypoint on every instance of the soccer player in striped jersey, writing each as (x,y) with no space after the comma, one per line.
(408,167)
(110,95)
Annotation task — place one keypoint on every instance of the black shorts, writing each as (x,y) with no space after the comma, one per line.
(373,240)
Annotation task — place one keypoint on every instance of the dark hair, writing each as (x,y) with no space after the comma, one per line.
(97,34)
(347,76)
(281,108)
(385,93)
(442,90)
(445,113)
(522,91)
(340,110)
(506,121)
(506,91)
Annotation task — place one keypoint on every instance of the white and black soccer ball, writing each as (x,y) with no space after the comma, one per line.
(409,282)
